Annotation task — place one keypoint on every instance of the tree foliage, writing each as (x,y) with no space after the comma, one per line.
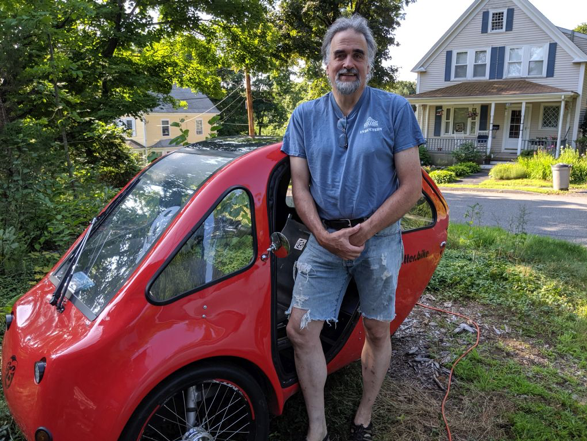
(302,24)
(582,28)
(68,70)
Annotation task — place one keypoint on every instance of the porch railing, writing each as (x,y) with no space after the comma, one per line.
(449,145)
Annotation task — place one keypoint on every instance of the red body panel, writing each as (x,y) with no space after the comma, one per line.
(99,371)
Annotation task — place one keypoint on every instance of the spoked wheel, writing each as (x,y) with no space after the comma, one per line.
(206,404)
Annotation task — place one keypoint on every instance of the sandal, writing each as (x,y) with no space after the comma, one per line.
(360,432)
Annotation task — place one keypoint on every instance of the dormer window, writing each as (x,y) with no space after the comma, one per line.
(497,20)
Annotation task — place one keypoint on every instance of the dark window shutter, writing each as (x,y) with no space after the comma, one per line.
(437,120)
(493,63)
(500,62)
(485,22)
(448,66)
(509,23)
(483,117)
(551,60)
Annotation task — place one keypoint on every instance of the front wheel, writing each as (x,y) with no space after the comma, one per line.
(207,403)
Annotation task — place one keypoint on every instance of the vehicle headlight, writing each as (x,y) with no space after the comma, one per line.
(43,434)
(40,369)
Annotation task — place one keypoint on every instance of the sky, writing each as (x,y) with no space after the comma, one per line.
(427,20)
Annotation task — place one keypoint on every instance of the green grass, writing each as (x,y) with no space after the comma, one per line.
(530,185)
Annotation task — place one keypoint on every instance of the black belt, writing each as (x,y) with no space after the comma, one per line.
(339,224)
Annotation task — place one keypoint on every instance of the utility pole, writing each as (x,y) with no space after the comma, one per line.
(249,104)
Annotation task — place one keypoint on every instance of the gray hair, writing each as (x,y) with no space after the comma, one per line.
(357,23)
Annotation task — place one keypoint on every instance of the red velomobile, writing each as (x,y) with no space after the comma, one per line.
(166,319)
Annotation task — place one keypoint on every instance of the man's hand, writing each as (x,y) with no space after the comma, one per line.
(339,243)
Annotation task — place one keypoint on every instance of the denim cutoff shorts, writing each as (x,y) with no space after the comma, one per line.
(322,278)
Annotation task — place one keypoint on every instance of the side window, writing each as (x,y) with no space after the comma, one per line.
(422,215)
(222,245)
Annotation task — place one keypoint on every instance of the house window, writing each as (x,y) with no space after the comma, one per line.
(536,62)
(460,121)
(480,64)
(461,62)
(549,117)
(526,61)
(164,127)
(515,56)
(129,125)
(497,22)
(199,127)
(470,64)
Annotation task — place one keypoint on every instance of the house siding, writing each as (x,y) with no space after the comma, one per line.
(525,32)
(154,128)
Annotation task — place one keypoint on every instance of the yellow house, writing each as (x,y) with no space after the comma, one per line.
(154,130)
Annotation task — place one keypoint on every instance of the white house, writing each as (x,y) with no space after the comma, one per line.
(504,78)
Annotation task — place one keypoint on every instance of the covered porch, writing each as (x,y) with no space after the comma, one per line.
(500,118)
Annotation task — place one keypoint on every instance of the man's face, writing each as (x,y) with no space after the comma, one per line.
(348,65)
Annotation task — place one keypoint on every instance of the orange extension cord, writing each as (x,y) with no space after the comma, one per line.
(458,359)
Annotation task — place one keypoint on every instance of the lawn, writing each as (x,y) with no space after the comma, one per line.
(526,380)
(531,185)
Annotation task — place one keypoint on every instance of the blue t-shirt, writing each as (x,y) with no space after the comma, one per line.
(352,181)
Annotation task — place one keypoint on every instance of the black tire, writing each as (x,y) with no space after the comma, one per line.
(228,405)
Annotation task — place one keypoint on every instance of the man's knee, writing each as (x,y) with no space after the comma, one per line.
(376,331)
(302,331)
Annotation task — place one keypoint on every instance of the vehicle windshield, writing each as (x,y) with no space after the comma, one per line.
(119,243)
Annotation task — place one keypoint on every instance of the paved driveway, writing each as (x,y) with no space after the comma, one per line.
(561,217)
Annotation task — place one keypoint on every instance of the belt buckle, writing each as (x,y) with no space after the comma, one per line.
(348,221)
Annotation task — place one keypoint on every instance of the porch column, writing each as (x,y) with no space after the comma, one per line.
(426,120)
(568,128)
(490,129)
(521,128)
(560,127)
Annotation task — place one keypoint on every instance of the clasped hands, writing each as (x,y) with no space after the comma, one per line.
(347,243)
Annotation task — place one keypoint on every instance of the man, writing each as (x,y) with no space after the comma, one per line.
(355,172)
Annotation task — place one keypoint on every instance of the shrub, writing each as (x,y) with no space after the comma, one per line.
(508,171)
(538,165)
(579,163)
(443,176)
(458,170)
(425,158)
(471,166)
(467,152)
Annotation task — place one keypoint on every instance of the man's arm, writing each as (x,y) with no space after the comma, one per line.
(337,242)
(407,164)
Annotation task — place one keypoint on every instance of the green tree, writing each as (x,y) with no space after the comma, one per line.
(302,24)
(69,69)
(582,28)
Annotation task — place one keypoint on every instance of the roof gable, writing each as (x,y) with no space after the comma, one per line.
(477,7)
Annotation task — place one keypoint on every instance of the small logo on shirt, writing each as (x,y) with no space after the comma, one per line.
(371,123)
(371,126)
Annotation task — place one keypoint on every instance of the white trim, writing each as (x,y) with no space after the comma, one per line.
(579,101)
(426,119)
(505,17)
(490,129)
(560,127)
(168,125)
(541,116)
(545,24)
(522,127)
(553,96)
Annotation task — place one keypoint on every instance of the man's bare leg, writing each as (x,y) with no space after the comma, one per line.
(375,360)
(311,369)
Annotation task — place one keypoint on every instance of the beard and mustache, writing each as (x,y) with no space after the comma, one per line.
(348,87)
